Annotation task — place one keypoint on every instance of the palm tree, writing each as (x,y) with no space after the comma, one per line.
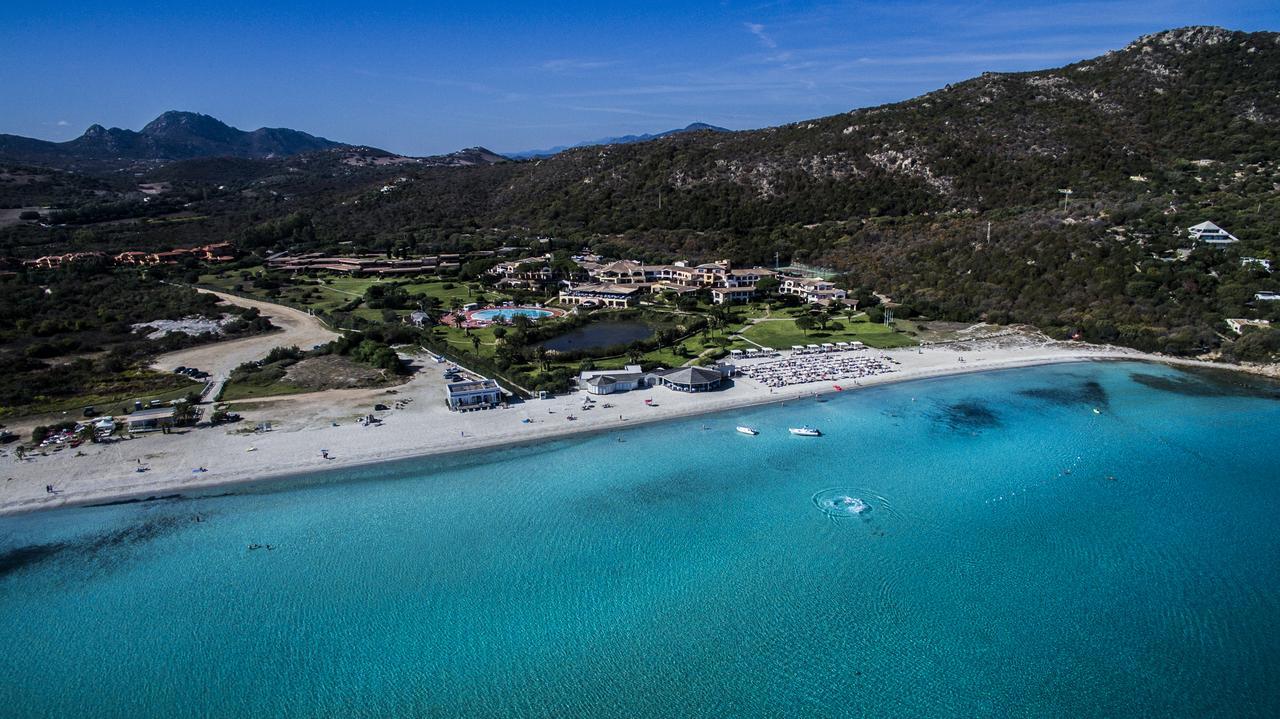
(475,342)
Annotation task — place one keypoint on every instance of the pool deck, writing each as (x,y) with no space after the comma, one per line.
(471,319)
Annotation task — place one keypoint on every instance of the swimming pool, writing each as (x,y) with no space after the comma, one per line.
(510,313)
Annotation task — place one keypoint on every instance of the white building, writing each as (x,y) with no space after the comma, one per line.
(1267,296)
(1211,234)
(611,381)
(473,394)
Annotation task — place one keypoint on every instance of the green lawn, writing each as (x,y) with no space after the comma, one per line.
(114,394)
(782,334)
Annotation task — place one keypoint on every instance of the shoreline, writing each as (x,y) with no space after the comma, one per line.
(290,463)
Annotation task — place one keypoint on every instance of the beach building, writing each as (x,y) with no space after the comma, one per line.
(691,379)
(1211,234)
(611,381)
(151,420)
(598,295)
(466,395)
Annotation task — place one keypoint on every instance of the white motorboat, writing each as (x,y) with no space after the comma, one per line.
(806,431)
(747,430)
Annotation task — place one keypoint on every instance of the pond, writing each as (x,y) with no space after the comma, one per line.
(598,335)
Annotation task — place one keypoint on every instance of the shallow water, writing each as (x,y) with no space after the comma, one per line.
(1018,554)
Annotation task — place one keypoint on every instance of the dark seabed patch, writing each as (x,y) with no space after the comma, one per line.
(970,416)
(1196,382)
(1089,393)
(90,546)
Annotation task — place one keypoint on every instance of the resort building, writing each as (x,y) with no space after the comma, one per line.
(1267,296)
(1211,234)
(598,295)
(473,394)
(611,381)
(727,295)
(682,278)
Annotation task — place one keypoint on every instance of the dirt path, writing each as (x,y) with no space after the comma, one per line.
(219,358)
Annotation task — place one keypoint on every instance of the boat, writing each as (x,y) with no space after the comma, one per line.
(806,431)
(747,430)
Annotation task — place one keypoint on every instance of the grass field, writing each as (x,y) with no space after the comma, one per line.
(782,334)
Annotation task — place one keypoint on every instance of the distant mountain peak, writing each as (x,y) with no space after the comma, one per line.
(622,140)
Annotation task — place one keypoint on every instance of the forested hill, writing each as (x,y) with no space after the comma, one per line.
(999,140)
(1176,128)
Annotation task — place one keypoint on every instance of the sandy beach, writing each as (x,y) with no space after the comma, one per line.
(304,426)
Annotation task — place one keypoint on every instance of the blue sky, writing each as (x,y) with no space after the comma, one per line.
(421,78)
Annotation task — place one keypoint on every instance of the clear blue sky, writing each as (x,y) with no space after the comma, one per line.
(429,77)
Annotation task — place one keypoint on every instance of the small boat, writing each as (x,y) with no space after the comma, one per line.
(747,430)
(806,431)
(1097,411)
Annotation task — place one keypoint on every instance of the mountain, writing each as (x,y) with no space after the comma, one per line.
(171,136)
(622,140)
(998,140)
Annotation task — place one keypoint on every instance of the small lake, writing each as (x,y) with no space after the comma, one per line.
(600,334)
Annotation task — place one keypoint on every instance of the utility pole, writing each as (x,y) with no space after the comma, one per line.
(988,233)
(1066,197)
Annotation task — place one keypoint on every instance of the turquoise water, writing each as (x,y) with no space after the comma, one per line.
(1018,555)
(509,313)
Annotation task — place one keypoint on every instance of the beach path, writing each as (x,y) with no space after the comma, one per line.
(219,358)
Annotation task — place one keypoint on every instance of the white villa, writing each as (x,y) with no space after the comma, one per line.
(1264,264)
(1211,234)
(814,290)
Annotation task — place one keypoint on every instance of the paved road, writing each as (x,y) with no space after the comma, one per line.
(218,359)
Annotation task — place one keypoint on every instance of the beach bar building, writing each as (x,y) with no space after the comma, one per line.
(151,420)
(473,394)
(691,379)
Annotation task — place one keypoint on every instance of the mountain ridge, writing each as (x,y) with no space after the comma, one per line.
(173,135)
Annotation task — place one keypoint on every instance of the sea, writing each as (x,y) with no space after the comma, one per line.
(1075,540)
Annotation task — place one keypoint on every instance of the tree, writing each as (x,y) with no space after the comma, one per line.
(805,323)
(499,332)
(475,342)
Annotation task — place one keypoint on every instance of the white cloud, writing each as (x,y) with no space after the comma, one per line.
(63,123)
(757,29)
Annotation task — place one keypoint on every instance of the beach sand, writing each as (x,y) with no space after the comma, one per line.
(304,425)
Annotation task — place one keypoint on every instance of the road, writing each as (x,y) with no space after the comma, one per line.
(218,359)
